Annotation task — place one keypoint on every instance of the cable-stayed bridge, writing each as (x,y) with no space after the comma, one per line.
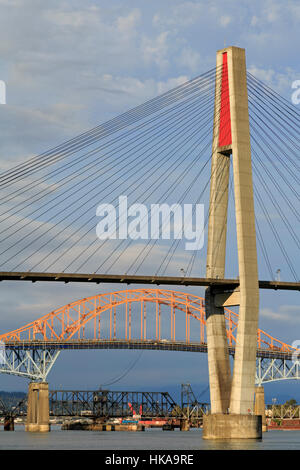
(214,163)
(159,152)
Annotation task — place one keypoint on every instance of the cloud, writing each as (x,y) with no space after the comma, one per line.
(183,14)
(286,313)
(74,68)
(225,20)
(88,17)
(279,81)
(126,25)
(71,65)
(189,59)
(155,50)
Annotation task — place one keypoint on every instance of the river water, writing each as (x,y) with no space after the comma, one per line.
(150,439)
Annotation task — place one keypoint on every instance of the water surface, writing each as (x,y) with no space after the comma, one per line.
(150,439)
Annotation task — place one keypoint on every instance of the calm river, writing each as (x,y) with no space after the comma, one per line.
(150,439)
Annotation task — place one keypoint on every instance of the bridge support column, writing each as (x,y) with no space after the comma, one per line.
(232,137)
(218,356)
(9,424)
(243,381)
(184,425)
(260,408)
(221,426)
(217,347)
(38,408)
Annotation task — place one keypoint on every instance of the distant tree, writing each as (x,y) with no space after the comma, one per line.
(291,402)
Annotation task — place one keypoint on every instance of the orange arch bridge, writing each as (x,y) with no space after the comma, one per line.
(132,319)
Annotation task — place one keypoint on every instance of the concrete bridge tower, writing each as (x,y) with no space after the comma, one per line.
(232,395)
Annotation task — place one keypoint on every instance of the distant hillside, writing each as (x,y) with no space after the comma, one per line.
(11,399)
(4,394)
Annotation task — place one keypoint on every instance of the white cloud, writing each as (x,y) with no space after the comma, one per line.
(75,19)
(280,81)
(272,11)
(284,313)
(254,21)
(189,59)
(262,74)
(156,50)
(225,20)
(127,24)
(181,15)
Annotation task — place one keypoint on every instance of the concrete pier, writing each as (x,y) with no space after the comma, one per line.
(184,425)
(9,424)
(222,426)
(260,408)
(38,408)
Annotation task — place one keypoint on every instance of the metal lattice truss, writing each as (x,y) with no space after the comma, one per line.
(271,370)
(190,406)
(133,318)
(103,403)
(109,316)
(34,364)
(283,411)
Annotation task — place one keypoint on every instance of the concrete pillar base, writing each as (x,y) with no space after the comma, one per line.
(32,427)
(9,424)
(38,408)
(259,408)
(230,426)
(44,427)
(37,427)
(184,425)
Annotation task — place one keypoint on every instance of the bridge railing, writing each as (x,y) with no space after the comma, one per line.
(283,411)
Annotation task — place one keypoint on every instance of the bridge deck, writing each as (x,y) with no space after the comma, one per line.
(128,279)
(134,344)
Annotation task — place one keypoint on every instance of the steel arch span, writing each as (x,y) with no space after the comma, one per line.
(126,319)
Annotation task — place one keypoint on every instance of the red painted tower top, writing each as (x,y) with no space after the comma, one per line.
(225,123)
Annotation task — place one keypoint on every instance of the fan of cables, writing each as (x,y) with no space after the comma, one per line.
(156,153)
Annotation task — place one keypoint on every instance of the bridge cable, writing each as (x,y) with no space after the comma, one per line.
(160,228)
(143,201)
(124,374)
(275,233)
(111,142)
(129,114)
(161,224)
(95,177)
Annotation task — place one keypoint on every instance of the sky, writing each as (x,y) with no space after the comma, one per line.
(69,66)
